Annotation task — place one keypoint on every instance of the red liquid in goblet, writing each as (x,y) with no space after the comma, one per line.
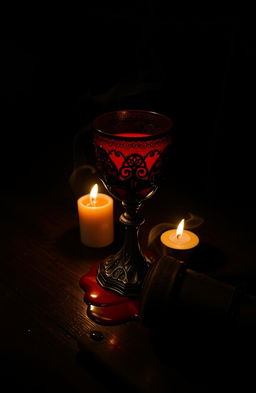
(130,162)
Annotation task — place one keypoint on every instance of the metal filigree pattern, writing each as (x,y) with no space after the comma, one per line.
(133,166)
(123,272)
(132,173)
(116,267)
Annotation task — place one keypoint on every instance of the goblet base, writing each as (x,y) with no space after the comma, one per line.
(119,275)
(104,306)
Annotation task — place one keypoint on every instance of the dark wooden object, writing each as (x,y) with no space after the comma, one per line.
(43,314)
(177,292)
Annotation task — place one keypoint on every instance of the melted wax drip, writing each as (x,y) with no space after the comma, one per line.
(104,306)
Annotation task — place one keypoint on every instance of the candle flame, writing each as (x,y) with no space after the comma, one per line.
(93,194)
(180,228)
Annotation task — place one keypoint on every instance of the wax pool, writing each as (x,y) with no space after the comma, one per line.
(186,241)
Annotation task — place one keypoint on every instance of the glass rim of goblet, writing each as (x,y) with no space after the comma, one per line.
(166,130)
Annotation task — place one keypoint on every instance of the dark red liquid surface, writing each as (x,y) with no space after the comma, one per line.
(132,135)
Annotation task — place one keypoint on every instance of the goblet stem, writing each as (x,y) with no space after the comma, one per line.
(124,272)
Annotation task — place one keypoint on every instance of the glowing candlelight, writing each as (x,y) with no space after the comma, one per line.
(179,238)
(180,229)
(95,212)
(93,194)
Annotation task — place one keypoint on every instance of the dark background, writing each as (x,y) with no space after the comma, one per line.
(58,73)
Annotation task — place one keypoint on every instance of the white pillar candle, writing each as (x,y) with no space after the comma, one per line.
(95,212)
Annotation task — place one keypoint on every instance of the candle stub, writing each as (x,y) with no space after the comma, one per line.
(185,241)
(96,220)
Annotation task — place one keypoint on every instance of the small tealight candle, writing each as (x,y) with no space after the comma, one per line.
(180,239)
(95,212)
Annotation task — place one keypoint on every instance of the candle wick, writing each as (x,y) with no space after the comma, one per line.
(178,236)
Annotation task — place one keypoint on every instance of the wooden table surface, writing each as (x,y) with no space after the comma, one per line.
(43,313)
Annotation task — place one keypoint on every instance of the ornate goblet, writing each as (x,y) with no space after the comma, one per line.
(131,149)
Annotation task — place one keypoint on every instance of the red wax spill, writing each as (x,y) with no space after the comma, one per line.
(95,294)
(118,313)
(105,306)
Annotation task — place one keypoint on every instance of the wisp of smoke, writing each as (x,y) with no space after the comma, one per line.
(80,177)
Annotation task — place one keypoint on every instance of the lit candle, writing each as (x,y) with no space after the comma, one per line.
(180,239)
(95,212)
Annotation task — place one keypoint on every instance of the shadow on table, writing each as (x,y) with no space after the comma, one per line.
(215,355)
(112,381)
(207,258)
(69,245)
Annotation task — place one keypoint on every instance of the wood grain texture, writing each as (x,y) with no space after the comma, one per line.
(43,313)
(41,263)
